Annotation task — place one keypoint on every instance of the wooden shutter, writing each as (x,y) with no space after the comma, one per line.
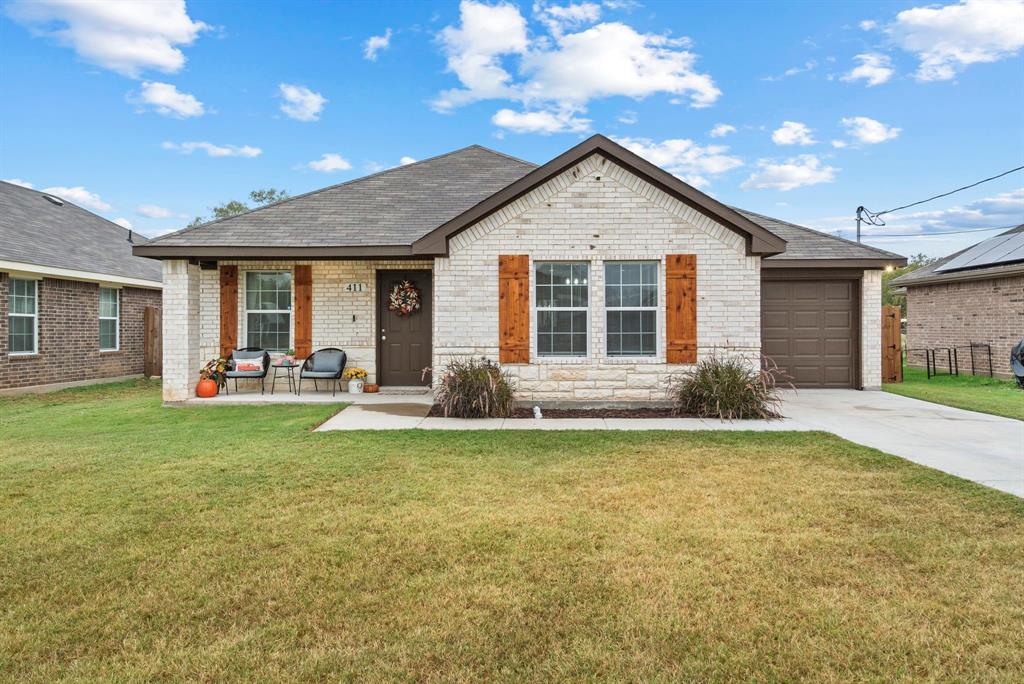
(681,308)
(514,308)
(228,310)
(303,310)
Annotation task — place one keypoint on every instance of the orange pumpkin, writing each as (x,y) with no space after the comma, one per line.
(206,388)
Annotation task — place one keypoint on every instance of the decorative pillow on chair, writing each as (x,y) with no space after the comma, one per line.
(249,365)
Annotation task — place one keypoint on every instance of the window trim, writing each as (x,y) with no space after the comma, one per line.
(588,310)
(290,310)
(656,308)
(116,319)
(33,316)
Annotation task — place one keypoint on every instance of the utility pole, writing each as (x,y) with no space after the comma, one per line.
(860,210)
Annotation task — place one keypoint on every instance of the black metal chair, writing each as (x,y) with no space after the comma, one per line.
(241,355)
(323,364)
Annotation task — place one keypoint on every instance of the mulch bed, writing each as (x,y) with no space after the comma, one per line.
(641,412)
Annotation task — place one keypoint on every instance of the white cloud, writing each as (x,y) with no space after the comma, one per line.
(867,24)
(214,150)
(948,39)
(330,162)
(559,18)
(126,37)
(684,158)
(869,131)
(153,211)
(375,44)
(564,71)
(809,65)
(79,196)
(721,130)
(18,181)
(124,223)
(544,122)
(790,174)
(166,99)
(839,144)
(628,117)
(301,103)
(405,161)
(875,68)
(793,133)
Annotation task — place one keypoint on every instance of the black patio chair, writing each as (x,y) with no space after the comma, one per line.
(241,355)
(323,364)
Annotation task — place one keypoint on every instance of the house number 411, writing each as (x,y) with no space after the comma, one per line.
(355,287)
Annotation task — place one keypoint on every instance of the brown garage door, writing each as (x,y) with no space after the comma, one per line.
(808,327)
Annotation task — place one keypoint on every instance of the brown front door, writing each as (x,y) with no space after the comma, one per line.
(403,342)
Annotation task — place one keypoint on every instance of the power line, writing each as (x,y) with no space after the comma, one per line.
(947,232)
(926,234)
(951,192)
(875,218)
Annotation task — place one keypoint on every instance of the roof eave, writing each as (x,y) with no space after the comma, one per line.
(273,252)
(869,264)
(759,241)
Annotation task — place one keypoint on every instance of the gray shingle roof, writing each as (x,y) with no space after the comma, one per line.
(807,243)
(398,206)
(927,274)
(394,207)
(36,231)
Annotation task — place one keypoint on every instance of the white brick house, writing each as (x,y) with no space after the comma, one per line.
(602,317)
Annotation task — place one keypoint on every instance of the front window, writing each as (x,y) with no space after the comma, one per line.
(562,308)
(22,316)
(268,309)
(110,315)
(631,303)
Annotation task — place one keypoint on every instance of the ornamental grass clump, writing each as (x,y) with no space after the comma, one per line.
(477,388)
(728,389)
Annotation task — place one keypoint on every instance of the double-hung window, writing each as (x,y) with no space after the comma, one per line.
(22,316)
(268,309)
(110,318)
(562,299)
(631,304)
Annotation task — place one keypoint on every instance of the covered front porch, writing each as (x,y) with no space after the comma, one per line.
(214,307)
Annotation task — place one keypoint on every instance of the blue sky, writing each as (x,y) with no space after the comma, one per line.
(153,112)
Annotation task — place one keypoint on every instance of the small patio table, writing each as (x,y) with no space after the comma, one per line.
(289,368)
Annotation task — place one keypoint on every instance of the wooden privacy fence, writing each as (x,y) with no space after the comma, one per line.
(152,342)
(892,344)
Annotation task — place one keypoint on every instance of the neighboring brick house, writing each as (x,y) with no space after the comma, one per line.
(973,296)
(592,278)
(72,295)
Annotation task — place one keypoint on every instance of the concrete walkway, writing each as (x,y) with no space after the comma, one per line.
(975,446)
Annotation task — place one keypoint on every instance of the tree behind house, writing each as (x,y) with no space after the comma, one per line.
(234,207)
(913,263)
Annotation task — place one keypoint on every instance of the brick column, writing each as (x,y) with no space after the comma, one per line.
(871,330)
(181,329)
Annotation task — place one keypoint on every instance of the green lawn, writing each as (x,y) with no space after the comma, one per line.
(971,392)
(139,543)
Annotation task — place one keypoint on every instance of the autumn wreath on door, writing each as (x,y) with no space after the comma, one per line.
(404,298)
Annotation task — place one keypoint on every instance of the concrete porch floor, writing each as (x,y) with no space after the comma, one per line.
(387,396)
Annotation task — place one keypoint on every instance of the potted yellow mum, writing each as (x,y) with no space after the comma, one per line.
(356,377)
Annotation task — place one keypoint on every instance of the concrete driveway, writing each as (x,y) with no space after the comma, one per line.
(975,446)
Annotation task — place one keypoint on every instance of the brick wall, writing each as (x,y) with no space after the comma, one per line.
(871,330)
(954,314)
(596,212)
(68,342)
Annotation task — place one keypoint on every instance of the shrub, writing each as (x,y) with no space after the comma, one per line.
(728,389)
(476,388)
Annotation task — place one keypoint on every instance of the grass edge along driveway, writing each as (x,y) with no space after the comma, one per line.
(969,392)
(231,543)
